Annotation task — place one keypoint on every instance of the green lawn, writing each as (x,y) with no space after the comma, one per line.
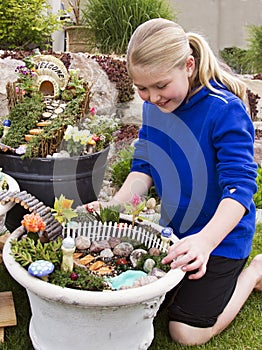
(243,334)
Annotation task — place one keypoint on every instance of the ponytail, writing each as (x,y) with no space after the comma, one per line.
(208,67)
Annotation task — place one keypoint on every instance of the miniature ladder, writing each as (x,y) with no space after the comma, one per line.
(32,204)
(7,312)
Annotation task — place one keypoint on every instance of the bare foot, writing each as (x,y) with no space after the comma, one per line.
(256,264)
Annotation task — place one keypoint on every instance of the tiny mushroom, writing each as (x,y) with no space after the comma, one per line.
(41,269)
(95,138)
(91,146)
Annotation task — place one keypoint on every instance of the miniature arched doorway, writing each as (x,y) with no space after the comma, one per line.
(47,88)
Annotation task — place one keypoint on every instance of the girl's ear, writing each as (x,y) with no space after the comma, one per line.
(190,65)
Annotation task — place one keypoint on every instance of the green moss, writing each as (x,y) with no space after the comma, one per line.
(85,280)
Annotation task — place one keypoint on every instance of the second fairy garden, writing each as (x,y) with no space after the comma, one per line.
(51,113)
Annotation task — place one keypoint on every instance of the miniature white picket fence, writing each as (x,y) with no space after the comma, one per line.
(97,231)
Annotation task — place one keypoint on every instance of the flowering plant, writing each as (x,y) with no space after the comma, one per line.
(105,214)
(76,140)
(92,136)
(136,205)
(33,223)
(26,81)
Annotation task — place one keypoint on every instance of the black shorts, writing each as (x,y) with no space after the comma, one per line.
(199,302)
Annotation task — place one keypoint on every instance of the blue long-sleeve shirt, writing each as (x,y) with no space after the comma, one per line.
(195,156)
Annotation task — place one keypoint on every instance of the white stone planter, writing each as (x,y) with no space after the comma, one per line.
(13,186)
(64,318)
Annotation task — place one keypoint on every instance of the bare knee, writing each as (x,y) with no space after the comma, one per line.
(188,335)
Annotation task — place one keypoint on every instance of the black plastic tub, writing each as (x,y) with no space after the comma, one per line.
(78,178)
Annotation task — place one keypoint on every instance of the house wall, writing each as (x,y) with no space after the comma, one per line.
(222,22)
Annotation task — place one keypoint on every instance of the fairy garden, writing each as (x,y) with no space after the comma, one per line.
(97,250)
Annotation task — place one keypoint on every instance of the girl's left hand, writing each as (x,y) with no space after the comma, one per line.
(191,254)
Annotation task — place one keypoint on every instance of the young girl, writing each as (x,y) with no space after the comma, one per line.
(196,146)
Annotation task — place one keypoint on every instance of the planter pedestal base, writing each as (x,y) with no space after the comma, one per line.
(110,328)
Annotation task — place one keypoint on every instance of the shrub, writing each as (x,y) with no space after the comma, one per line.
(26,24)
(254,52)
(121,166)
(235,58)
(114,21)
(246,61)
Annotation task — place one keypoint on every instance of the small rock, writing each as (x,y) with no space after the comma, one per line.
(123,249)
(113,241)
(59,110)
(158,208)
(143,281)
(98,246)
(136,255)
(154,251)
(46,115)
(106,253)
(149,265)
(158,273)
(151,203)
(61,154)
(82,242)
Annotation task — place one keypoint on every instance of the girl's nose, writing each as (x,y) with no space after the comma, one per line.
(154,97)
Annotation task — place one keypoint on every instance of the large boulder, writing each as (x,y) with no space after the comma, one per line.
(7,74)
(104,92)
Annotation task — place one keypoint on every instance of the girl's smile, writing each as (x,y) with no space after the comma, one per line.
(166,90)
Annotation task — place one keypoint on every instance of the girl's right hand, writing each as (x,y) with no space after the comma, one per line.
(93,206)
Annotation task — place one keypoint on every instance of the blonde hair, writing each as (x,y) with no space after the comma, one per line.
(160,43)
